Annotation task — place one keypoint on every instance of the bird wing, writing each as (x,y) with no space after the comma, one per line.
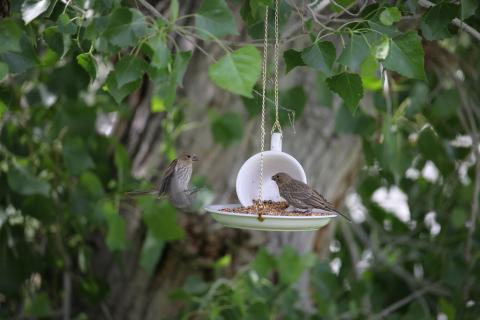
(167,178)
(309,196)
(304,193)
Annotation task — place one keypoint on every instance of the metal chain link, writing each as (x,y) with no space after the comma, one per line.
(264,85)
(276,124)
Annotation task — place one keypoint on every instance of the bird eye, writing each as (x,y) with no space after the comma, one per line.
(188,156)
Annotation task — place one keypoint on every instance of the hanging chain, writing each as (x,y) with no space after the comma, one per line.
(276,124)
(264,84)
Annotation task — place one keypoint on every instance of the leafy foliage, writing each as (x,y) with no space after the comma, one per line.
(67,66)
(214,19)
(238,71)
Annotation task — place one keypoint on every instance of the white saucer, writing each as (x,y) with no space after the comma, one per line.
(270,223)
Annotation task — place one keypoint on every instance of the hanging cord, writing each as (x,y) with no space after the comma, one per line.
(276,124)
(262,130)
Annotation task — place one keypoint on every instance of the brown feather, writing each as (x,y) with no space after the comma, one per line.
(302,196)
(167,178)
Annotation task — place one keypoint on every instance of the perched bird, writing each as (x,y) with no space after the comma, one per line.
(175,181)
(301,195)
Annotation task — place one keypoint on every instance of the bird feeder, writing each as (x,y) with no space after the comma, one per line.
(254,184)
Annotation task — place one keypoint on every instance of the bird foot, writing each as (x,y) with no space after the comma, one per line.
(192,191)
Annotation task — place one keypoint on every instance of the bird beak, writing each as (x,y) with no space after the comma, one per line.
(194,158)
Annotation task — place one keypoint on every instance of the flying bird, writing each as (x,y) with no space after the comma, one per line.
(301,195)
(175,182)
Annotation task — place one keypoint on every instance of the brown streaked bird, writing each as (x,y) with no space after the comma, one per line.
(175,181)
(301,195)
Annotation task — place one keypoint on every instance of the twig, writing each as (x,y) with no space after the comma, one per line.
(400,303)
(396,268)
(67,294)
(459,23)
(152,9)
(473,132)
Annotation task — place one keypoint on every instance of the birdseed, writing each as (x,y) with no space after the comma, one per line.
(271,208)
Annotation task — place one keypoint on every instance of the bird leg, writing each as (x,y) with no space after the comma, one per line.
(192,190)
(291,209)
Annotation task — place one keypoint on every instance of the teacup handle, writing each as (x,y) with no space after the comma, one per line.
(276,142)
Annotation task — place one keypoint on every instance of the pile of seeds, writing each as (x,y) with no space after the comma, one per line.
(271,208)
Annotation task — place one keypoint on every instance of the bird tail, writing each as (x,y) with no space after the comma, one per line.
(137,193)
(343,215)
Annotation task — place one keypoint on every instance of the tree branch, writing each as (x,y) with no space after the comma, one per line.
(152,9)
(459,23)
(400,303)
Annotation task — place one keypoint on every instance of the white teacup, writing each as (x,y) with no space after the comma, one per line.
(274,161)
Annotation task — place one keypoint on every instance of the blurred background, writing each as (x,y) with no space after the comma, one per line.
(379,102)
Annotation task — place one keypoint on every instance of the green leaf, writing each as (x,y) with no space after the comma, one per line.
(129,69)
(254,104)
(22,181)
(348,86)
(255,5)
(125,27)
(181,63)
(237,71)
(56,41)
(90,183)
(173,11)
(291,265)
(369,74)
(120,92)
(3,74)
(263,263)
(167,81)
(76,156)
(151,251)
(166,92)
(406,56)
(293,58)
(293,99)
(347,123)
(390,15)
(31,9)
(88,63)
(382,48)
(445,105)
(355,52)
(223,262)
(158,105)
(391,153)
(122,162)
(340,5)
(432,149)
(447,308)
(436,20)
(116,235)
(38,306)
(214,19)
(468,8)
(458,218)
(161,219)
(159,53)
(23,60)
(65,25)
(10,34)
(320,56)
(323,93)
(227,128)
